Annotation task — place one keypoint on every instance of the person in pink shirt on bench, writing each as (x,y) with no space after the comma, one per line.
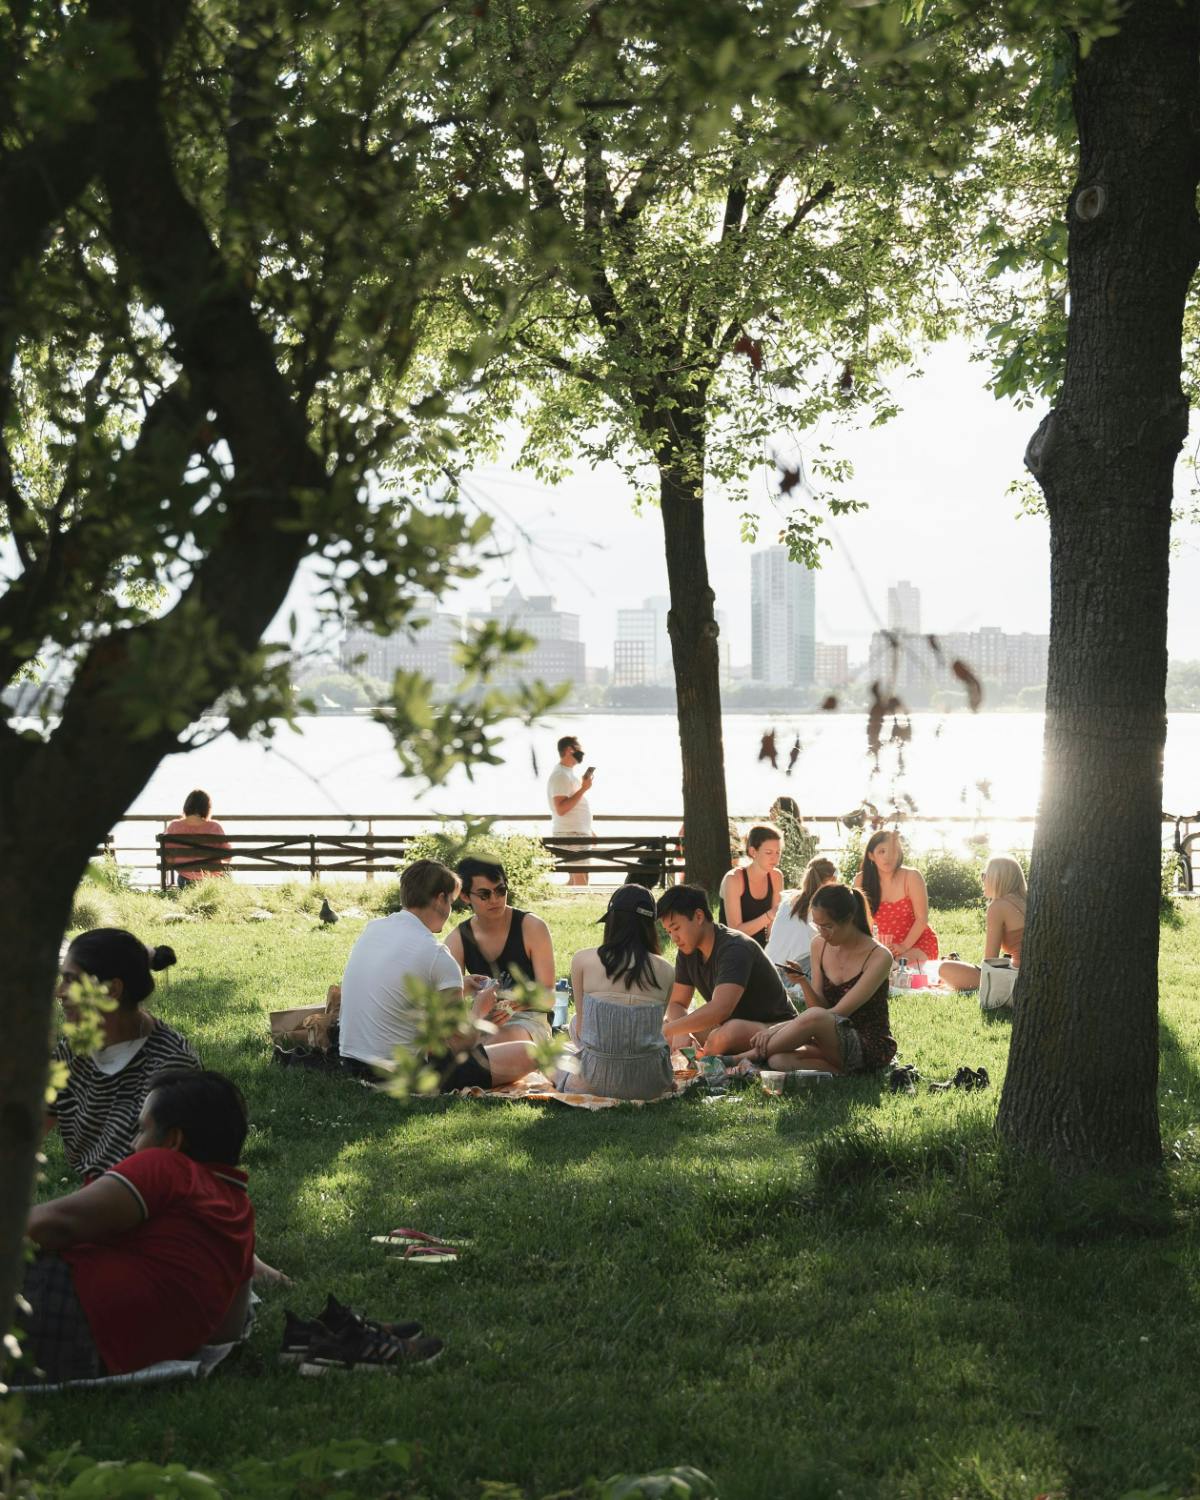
(191,860)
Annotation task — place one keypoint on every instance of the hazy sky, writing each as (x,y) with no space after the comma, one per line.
(935,479)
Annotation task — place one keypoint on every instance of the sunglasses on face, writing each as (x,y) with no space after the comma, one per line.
(483,893)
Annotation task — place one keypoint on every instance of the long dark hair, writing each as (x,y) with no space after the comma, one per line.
(842,904)
(629,941)
(869,875)
(816,873)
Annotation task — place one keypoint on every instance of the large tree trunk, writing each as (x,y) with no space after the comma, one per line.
(692,626)
(42,858)
(1082,1079)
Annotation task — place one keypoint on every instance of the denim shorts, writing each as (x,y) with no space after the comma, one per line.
(850,1044)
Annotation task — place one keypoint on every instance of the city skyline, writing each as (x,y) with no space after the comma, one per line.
(940,515)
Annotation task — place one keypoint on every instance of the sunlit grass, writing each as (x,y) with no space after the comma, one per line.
(842,1292)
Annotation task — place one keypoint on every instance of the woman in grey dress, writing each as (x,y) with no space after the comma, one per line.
(621,991)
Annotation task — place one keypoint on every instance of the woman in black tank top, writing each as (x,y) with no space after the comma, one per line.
(749,913)
(846,1027)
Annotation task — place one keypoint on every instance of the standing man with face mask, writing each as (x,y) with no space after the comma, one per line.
(567,792)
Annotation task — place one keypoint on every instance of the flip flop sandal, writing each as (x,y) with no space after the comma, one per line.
(415,1237)
(427,1255)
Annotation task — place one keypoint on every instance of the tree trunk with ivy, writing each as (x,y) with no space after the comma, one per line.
(1082,1080)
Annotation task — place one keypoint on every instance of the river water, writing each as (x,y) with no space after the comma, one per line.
(346,766)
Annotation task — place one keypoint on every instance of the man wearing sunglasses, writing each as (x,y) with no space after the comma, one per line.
(566,791)
(502,942)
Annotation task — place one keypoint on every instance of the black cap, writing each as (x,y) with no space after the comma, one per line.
(634,898)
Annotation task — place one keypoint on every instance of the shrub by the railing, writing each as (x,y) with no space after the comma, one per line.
(1170,879)
(849,861)
(108,875)
(799,846)
(525,862)
(951,879)
(88,910)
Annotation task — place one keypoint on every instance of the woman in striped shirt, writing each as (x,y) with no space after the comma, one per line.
(97,1110)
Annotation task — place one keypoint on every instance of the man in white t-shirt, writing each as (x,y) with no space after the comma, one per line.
(566,792)
(380,1000)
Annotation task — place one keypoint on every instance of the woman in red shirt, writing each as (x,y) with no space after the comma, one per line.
(153,1259)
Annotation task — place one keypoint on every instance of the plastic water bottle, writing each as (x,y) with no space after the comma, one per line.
(902,975)
(562,998)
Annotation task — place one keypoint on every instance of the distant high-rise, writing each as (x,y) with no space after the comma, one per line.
(642,646)
(557,655)
(904,608)
(430,647)
(782,620)
(831,665)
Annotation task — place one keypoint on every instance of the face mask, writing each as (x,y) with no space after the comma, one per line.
(577,756)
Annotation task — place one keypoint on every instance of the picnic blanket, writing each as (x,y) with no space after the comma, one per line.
(198,1366)
(537,1088)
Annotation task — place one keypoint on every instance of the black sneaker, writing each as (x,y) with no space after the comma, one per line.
(300,1334)
(336,1317)
(365,1349)
(982,1081)
(904,1079)
(964,1079)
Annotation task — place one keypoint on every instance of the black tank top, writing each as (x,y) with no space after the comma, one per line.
(508,963)
(752,906)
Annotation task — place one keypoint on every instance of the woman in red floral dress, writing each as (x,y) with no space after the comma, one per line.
(898,899)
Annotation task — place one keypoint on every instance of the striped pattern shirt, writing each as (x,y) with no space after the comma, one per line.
(97,1112)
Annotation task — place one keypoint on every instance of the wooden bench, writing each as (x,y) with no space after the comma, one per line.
(311,854)
(649,859)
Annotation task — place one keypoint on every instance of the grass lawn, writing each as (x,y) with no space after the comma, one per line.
(837,1294)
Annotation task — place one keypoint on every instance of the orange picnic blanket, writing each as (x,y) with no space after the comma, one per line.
(537,1088)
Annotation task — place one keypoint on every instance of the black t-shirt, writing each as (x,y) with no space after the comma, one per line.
(737,959)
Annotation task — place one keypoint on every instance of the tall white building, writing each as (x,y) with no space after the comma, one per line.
(642,647)
(904,608)
(782,620)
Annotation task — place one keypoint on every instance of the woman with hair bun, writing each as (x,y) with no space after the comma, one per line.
(846,1027)
(97,1110)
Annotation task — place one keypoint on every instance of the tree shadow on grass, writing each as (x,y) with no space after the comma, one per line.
(1029,1313)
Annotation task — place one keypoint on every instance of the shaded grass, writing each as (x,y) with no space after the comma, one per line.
(837,1293)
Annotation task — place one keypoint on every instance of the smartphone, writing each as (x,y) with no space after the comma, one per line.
(591,771)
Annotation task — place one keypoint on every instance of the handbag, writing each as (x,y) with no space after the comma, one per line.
(997,980)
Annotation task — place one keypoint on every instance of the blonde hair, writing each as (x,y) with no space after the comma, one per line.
(1003,876)
(817,873)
